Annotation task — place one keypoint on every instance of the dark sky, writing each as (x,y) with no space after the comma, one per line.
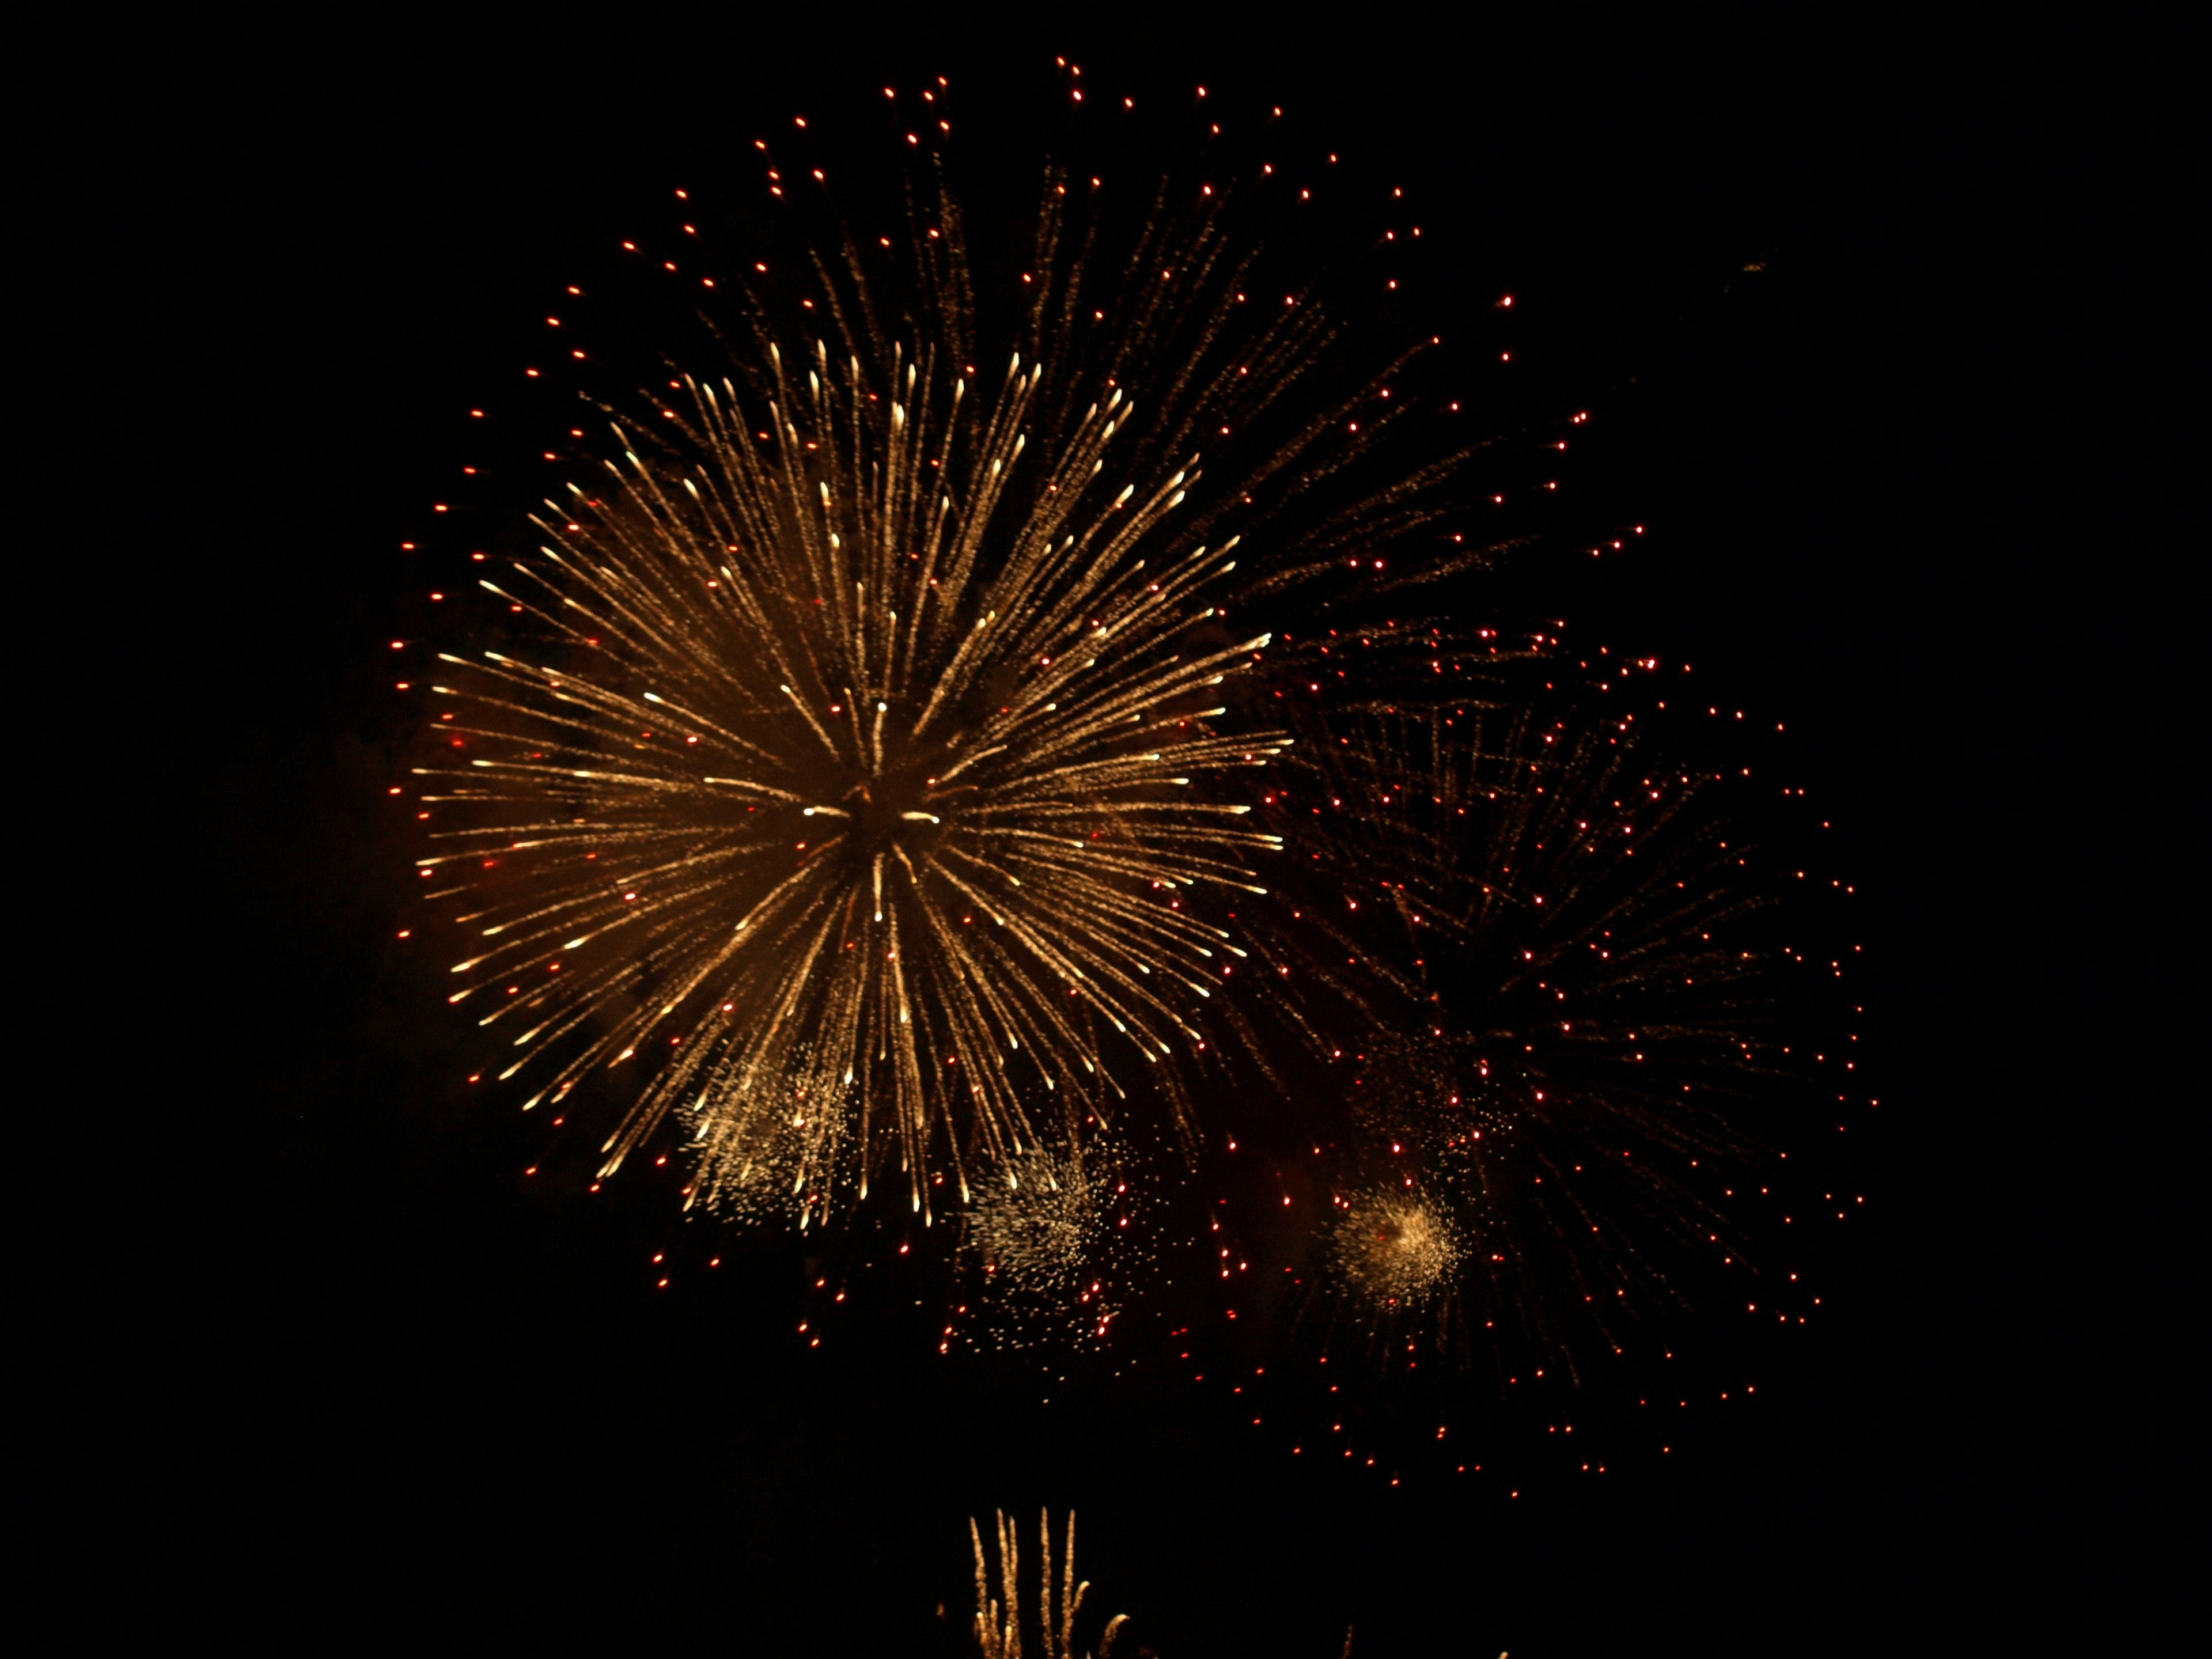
(353,1377)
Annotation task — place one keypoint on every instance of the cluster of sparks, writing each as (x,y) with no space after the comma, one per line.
(1398,1249)
(1053,1240)
(899,772)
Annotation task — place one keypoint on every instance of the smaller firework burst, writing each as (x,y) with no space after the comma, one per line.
(1053,1239)
(1397,1250)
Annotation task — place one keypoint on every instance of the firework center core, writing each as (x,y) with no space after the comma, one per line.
(892,808)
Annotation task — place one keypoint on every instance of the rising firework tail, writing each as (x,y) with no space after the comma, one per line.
(999,1627)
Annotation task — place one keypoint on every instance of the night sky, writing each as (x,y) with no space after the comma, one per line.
(357,1378)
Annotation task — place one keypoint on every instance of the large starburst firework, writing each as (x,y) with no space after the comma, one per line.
(875,745)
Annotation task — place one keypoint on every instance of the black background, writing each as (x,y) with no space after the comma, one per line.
(344,1377)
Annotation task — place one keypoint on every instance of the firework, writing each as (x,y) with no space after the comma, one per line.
(1594,1016)
(869,765)
(1582,1006)
(1400,1250)
(1055,1240)
(998,1618)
